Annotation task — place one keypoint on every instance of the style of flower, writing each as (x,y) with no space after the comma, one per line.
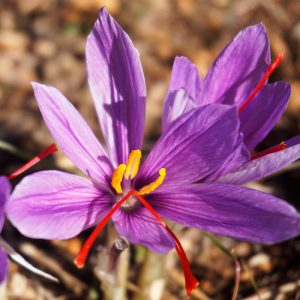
(177,180)
(238,77)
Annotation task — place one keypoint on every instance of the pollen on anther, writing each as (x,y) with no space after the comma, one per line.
(147,189)
(117,178)
(133,163)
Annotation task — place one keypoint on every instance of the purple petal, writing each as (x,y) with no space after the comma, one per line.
(239,156)
(3,266)
(185,77)
(72,133)
(5,189)
(293,141)
(140,227)
(56,205)
(263,166)
(229,210)
(196,145)
(176,104)
(118,88)
(263,112)
(239,68)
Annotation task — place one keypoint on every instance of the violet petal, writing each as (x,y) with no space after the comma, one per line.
(239,156)
(263,112)
(56,205)
(185,76)
(3,265)
(195,146)
(72,133)
(140,227)
(5,189)
(239,68)
(176,104)
(229,210)
(263,166)
(118,87)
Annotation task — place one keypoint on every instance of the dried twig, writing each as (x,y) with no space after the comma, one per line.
(70,281)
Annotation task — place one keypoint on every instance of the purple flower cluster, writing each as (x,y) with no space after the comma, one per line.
(193,173)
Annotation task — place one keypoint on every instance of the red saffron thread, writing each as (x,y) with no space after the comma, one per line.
(270,70)
(51,149)
(80,259)
(190,281)
(273,149)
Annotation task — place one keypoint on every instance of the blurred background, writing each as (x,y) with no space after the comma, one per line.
(44,41)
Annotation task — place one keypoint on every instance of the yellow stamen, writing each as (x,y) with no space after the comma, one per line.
(130,170)
(133,163)
(117,178)
(155,184)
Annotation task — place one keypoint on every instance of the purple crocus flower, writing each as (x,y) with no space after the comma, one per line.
(175,178)
(238,77)
(5,189)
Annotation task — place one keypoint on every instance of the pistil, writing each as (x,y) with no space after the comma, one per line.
(51,149)
(273,149)
(82,255)
(260,85)
(190,281)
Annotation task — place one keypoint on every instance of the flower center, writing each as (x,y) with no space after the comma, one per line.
(190,281)
(130,204)
(127,198)
(124,174)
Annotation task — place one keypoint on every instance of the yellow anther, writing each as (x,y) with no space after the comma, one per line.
(133,163)
(130,170)
(117,178)
(155,184)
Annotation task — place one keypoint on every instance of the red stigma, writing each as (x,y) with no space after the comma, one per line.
(190,281)
(268,73)
(51,149)
(273,149)
(80,259)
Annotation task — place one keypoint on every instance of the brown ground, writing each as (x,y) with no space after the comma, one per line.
(44,41)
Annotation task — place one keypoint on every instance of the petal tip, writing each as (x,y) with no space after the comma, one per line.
(103,13)
(260,26)
(257,27)
(34,84)
(181,58)
(255,30)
